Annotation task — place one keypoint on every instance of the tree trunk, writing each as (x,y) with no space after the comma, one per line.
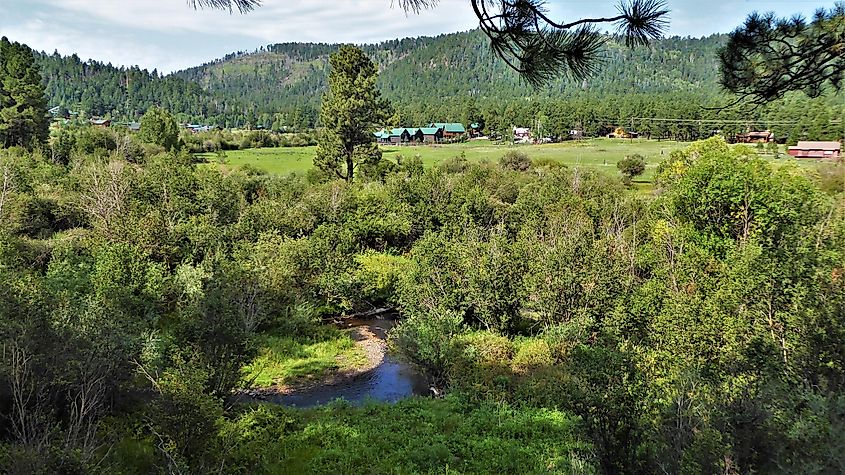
(350,169)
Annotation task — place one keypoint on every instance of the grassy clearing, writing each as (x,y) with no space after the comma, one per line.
(600,154)
(280,161)
(286,360)
(416,435)
(596,153)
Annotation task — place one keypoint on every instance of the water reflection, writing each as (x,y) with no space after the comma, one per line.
(390,381)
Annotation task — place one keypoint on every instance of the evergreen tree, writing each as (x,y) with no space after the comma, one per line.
(351,109)
(23,107)
(769,56)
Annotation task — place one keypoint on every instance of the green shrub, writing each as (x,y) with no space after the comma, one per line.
(377,275)
(515,160)
(426,339)
(631,166)
(457,164)
(532,354)
(547,163)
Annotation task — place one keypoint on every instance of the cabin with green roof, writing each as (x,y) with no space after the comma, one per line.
(450,129)
(399,135)
(432,134)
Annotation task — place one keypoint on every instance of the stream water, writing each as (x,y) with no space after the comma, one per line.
(390,381)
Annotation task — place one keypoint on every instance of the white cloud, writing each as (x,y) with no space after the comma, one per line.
(277,20)
(169,35)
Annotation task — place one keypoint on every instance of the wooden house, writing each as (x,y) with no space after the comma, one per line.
(764,136)
(102,123)
(415,135)
(817,150)
(432,134)
(475,130)
(450,129)
(399,135)
(382,136)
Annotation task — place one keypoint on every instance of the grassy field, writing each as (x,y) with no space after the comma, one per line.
(601,154)
(284,360)
(416,435)
(596,153)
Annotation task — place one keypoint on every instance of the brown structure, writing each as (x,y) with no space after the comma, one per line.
(756,137)
(450,129)
(103,123)
(621,133)
(818,150)
(432,134)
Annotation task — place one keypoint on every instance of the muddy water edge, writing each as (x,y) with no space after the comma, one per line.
(387,379)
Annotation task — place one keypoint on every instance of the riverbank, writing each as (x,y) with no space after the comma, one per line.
(358,372)
(342,356)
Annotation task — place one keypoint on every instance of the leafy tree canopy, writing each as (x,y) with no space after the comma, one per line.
(159,127)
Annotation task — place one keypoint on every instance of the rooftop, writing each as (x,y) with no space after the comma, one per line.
(817,146)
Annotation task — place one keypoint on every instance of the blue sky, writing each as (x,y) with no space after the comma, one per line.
(168,35)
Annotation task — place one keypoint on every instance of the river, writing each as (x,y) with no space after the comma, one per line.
(390,381)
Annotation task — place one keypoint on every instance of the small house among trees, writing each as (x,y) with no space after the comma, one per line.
(521,134)
(819,150)
(621,133)
(764,136)
(450,129)
(399,135)
(433,134)
(475,130)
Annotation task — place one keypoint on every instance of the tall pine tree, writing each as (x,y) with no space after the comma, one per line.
(23,106)
(351,109)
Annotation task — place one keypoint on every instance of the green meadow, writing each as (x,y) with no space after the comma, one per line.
(595,153)
(601,154)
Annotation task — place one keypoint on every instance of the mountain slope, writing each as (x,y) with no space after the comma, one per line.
(288,78)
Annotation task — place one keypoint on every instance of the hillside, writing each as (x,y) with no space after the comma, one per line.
(289,77)
(281,84)
(451,77)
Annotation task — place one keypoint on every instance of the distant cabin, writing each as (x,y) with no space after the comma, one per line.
(432,134)
(399,135)
(521,134)
(102,123)
(382,136)
(475,129)
(450,129)
(764,136)
(818,150)
(415,134)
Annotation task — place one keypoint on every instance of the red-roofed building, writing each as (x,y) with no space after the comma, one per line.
(820,150)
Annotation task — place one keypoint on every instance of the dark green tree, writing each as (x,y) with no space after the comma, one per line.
(631,166)
(351,109)
(159,127)
(23,107)
(769,56)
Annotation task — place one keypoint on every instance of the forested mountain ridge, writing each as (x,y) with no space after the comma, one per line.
(281,84)
(424,71)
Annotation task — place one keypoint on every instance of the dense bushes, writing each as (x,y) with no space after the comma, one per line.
(698,330)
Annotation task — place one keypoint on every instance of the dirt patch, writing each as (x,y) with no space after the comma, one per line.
(369,338)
